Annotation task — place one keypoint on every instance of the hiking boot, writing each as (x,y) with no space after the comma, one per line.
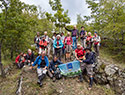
(38,82)
(81,79)
(41,84)
(90,87)
(54,79)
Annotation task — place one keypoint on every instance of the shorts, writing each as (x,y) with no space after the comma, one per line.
(88,67)
(68,48)
(40,71)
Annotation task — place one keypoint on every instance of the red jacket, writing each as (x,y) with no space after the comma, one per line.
(43,43)
(89,38)
(18,59)
(80,52)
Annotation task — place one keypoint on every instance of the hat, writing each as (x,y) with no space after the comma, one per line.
(58,36)
(89,33)
(79,44)
(95,32)
(45,32)
(88,49)
(68,33)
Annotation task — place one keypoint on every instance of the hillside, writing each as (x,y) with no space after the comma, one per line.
(65,86)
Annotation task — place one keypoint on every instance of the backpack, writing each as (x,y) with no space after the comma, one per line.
(94,60)
(66,40)
(58,74)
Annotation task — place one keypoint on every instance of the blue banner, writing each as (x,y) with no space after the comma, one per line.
(70,68)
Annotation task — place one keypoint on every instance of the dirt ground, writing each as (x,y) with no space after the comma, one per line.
(64,86)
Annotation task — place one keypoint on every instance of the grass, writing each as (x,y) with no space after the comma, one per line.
(106,90)
(106,55)
(7,62)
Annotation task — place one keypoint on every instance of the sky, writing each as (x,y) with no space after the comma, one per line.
(74,7)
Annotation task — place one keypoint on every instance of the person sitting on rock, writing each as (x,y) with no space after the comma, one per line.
(54,68)
(20,60)
(79,52)
(87,64)
(42,65)
(30,57)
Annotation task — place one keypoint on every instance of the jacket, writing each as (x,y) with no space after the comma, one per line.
(52,64)
(89,58)
(75,32)
(98,40)
(38,61)
(43,43)
(55,43)
(37,39)
(30,57)
(18,59)
(68,41)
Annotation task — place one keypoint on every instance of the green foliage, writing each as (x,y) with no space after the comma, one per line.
(108,19)
(19,23)
(60,18)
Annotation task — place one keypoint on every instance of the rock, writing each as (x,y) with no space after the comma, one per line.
(110,70)
(108,86)
(110,75)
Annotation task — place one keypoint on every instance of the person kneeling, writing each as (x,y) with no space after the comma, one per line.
(54,68)
(42,64)
(79,54)
(20,60)
(87,64)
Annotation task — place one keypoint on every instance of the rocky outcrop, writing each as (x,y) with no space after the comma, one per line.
(106,73)
(110,74)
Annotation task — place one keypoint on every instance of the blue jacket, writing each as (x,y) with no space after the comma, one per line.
(38,61)
(55,43)
(52,64)
(89,58)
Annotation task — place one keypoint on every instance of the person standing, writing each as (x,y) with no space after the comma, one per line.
(42,63)
(75,34)
(42,45)
(96,42)
(68,46)
(62,38)
(58,44)
(37,40)
(89,40)
(53,38)
(48,43)
(83,35)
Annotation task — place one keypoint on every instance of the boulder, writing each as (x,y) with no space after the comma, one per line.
(111,75)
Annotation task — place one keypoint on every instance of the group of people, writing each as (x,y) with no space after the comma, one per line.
(62,45)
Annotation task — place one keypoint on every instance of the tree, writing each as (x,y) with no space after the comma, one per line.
(60,18)
(108,20)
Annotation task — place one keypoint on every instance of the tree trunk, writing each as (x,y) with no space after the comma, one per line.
(11,52)
(1,65)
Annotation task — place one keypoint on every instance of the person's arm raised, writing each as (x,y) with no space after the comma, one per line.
(68,29)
